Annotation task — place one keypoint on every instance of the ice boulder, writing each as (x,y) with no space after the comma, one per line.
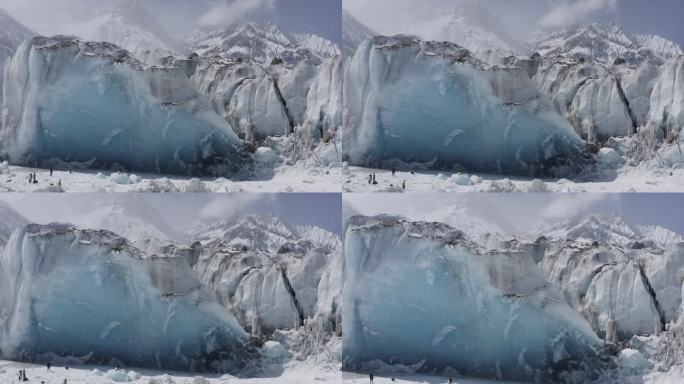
(91,295)
(94,103)
(423,295)
(421,101)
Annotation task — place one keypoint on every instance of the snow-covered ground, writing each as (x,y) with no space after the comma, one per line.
(296,373)
(286,179)
(632,179)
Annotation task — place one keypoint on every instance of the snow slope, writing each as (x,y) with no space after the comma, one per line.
(92,296)
(118,112)
(424,296)
(431,102)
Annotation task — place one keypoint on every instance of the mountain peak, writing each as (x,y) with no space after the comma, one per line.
(603,42)
(473,26)
(261,42)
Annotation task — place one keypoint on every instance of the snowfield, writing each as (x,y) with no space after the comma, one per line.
(286,179)
(629,179)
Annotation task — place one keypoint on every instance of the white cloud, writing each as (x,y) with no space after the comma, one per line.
(568,12)
(227,12)
(567,206)
(225,206)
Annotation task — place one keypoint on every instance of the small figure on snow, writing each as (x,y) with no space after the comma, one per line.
(49,365)
(394,172)
(403,185)
(370,376)
(50,172)
(370,179)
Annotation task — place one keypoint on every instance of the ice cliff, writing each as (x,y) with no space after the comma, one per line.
(91,295)
(72,101)
(434,102)
(423,295)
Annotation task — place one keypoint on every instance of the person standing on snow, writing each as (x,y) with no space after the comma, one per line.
(371,378)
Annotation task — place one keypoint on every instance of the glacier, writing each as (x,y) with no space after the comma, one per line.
(423,295)
(608,268)
(434,102)
(270,275)
(68,100)
(91,295)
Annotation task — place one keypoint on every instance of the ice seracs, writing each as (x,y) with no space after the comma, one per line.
(424,295)
(270,275)
(102,107)
(434,102)
(91,295)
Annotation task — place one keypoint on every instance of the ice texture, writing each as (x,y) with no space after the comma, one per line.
(423,295)
(270,275)
(94,103)
(637,287)
(420,101)
(93,296)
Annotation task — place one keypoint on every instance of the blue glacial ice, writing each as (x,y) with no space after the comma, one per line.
(423,295)
(420,101)
(72,101)
(91,295)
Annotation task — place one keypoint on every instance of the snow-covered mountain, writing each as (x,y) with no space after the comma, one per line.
(479,219)
(610,229)
(10,220)
(12,33)
(263,232)
(262,42)
(354,33)
(604,43)
(130,26)
(472,26)
(134,219)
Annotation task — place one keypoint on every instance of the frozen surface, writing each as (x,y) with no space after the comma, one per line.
(91,296)
(433,102)
(298,178)
(93,103)
(642,178)
(423,295)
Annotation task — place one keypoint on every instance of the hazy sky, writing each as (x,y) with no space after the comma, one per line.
(179,211)
(179,17)
(528,210)
(523,17)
